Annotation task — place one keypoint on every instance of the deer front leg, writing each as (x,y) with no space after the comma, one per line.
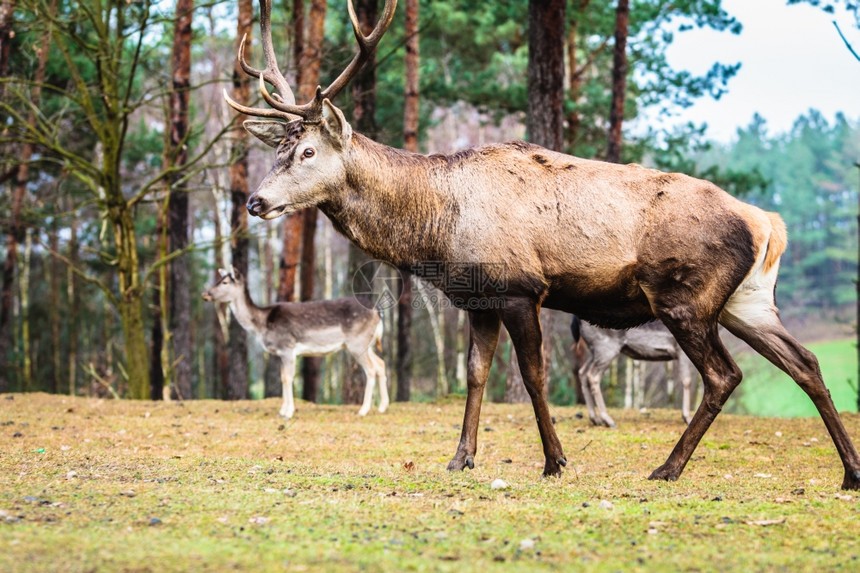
(288,370)
(483,337)
(522,319)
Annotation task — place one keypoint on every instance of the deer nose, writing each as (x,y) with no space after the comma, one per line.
(255,205)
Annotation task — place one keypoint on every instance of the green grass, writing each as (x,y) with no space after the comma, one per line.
(93,485)
(767,391)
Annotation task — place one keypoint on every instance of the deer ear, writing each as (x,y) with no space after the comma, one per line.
(272,133)
(335,123)
(221,273)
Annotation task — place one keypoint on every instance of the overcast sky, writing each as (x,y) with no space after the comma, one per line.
(792,60)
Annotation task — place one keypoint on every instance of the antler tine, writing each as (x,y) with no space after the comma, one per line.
(272,73)
(281,102)
(366,45)
(255,111)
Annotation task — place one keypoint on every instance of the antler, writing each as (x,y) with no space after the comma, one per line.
(284,102)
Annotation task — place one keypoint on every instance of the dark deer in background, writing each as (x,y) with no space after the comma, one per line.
(617,245)
(292,329)
(650,342)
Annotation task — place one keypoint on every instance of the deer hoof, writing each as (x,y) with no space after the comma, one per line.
(852,480)
(552,469)
(459,464)
(363,412)
(562,462)
(663,473)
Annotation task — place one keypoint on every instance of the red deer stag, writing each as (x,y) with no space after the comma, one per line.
(650,342)
(292,329)
(617,245)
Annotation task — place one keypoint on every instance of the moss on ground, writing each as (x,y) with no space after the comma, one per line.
(92,485)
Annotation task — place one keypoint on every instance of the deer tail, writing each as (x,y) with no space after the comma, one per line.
(776,242)
(574,328)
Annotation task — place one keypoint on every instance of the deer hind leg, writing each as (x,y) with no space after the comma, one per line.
(584,374)
(288,371)
(522,319)
(767,335)
(685,373)
(369,366)
(483,337)
(600,360)
(699,338)
(382,379)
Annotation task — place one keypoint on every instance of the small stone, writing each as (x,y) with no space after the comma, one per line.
(153,521)
(778,434)
(259,520)
(585,504)
(127,493)
(507,461)
(604,504)
(798,491)
(527,544)
(498,484)
(71,474)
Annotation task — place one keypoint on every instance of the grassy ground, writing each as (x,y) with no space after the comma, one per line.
(767,391)
(89,485)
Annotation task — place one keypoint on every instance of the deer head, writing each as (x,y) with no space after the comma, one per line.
(229,286)
(310,139)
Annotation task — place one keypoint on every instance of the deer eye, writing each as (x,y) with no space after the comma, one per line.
(308,153)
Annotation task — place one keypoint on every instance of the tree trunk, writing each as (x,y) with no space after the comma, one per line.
(24,298)
(237,387)
(180,268)
(156,346)
(7,11)
(15,231)
(404,342)
(410,103)
(130,299)
(364,85)
(575,85)
(410,143)
(72,295)
(619,81)
(310,364)
(56,324)
(545,116)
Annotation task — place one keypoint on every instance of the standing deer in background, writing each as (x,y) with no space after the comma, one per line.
(316,328)
(651,342)
(617,245)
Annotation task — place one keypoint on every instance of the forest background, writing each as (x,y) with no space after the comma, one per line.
(125,175)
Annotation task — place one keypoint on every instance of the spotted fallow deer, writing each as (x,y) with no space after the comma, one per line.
(617,245)
(650,342)
(292,329)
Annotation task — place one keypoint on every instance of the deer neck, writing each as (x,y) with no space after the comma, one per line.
(250,316)
(394,205)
